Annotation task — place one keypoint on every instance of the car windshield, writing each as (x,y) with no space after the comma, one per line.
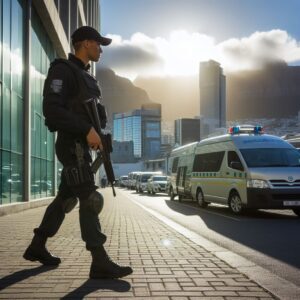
(145,177)
(270,157)
(160,178)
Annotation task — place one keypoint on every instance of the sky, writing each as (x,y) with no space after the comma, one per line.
(171,37)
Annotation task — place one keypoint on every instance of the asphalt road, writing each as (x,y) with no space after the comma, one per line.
(269,238)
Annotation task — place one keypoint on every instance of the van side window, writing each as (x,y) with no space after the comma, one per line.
(208,162)
(233,157)
(175,164)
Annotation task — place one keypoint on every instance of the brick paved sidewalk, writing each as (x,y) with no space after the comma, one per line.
(166,264)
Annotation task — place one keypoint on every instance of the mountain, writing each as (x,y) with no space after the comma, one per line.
(179,96)
(119,93)
(273,92)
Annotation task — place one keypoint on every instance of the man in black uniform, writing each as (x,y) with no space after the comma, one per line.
(66,87)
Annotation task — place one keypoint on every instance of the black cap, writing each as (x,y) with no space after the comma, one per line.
(89,33)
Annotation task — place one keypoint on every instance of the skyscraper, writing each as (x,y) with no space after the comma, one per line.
(212,85)
(143,127)
(187,131)
(33,33)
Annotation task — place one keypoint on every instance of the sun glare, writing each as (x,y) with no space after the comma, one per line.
(183,52)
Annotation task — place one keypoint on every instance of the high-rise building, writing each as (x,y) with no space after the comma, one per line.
(212,97)
(122,152)
(143,127)
(33,33)
(187,131)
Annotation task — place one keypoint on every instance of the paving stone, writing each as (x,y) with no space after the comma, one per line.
(181,271)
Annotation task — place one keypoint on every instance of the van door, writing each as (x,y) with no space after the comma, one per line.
(212,181)
(180,180)
(234,175)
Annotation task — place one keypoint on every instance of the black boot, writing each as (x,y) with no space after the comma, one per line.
(103,267)
(37,251)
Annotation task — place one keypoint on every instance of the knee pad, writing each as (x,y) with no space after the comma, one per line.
(69,204)
(95,202)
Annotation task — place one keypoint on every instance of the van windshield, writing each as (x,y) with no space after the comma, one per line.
(271,157)
(145,177)
(160,178)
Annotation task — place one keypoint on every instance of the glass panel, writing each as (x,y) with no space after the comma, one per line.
(16,178)
(17,47)
(6,42)
(42,141)
(43,178)
(6,119)
(0,51)
(50,176)
(19,122)
(6,177)
(13,119)
(11,112)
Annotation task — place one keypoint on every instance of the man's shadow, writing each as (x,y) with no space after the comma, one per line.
(89,286)
(92,285)
(22,275)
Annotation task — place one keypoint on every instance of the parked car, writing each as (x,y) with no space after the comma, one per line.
(157,184)
(123,181)
(141,184)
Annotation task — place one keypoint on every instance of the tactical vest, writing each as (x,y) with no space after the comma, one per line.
(87,88)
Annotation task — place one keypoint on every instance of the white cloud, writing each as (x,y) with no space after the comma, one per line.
(259,48)
(181,53)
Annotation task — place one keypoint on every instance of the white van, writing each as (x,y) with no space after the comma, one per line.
(246,169)
(180,169)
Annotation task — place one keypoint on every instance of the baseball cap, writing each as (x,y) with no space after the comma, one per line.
(89,33)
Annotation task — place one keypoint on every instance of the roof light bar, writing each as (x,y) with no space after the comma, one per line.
(246,129)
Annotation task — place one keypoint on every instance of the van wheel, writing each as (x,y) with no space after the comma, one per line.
(235,203)
(297,211)
(200,199)
(172,195)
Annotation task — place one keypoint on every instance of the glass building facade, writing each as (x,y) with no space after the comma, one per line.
(12,100)
(42,141)
(143,127)
(28,44)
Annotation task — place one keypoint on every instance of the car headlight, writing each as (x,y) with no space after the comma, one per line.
(257,183)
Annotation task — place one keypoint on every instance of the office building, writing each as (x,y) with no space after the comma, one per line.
(33,33)
(187,131)
(212,97)
(122,152)
(143,127)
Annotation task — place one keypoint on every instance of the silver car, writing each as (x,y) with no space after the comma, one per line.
(157,184)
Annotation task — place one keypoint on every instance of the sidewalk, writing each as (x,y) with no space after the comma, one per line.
(166,264)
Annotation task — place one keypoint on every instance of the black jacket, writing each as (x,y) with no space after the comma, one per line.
(60,89)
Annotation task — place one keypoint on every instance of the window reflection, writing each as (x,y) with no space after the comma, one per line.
(11,106)
(42,141)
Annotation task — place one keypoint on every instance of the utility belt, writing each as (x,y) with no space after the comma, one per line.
(80,171)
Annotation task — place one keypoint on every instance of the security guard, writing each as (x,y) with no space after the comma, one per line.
(67,85)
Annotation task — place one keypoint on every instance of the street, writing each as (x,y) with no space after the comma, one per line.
(269,238)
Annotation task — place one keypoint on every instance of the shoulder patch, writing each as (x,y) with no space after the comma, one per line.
(56,86)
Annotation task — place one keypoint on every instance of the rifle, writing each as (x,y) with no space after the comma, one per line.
(103,155)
